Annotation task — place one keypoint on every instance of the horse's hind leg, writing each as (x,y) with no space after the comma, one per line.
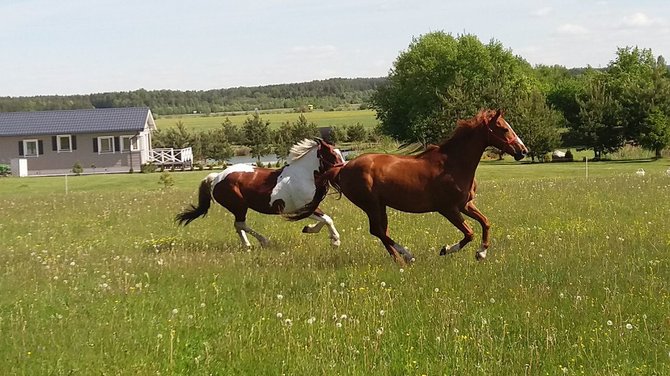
(455,217)
(323,220)
(242,229)
(471,211)
(379,228)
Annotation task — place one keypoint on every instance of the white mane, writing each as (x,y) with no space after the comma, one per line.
(301,148)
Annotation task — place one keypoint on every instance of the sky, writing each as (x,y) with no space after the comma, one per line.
(69,47)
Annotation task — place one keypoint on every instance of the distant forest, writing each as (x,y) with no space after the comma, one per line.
(325,94)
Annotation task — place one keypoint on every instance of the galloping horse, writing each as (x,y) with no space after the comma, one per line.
(291,191)
(440,179)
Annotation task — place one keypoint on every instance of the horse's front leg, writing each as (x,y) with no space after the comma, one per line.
(454,216)
(471,211)
(323,220)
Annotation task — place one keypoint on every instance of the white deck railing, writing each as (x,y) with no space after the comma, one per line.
(170,156)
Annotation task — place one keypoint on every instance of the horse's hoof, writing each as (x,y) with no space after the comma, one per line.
(305,230)
(443,251)
(479,256)
(336,243)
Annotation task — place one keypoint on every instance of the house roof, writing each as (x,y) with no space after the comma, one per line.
(97,120)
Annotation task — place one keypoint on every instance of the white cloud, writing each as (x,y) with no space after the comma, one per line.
(637,20)
(572,29)
(542,12)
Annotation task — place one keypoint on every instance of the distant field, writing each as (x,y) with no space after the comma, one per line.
(321,118)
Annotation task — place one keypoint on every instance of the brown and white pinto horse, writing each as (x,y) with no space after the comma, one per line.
(440,179)
(291,191)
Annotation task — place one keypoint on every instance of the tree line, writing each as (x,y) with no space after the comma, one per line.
(253,137)
(325,94)
(441,78)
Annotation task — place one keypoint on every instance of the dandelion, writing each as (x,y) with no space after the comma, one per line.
(437,290)
(280,296)
(190,317)
(492,300)
(579,298)
(279,315)
(344,317)
(202,305)
(609,323)
(288,322)
(381,312)
(159,336)
(342,284)
(383,284)
(629,326)
(402,270)
(338,325)
(311,320)
(175,311)
(456,331)
(380,331)
(561,295)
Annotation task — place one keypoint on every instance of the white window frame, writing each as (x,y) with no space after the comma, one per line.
(129,140)
(111,144)
(59,148)
(25,148)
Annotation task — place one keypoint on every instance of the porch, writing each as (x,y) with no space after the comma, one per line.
(169,157)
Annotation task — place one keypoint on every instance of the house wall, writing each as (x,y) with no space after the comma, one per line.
(54,162)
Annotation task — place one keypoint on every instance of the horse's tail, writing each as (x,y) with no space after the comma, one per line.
(204,202)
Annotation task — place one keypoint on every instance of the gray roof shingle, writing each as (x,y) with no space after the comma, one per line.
(73,121)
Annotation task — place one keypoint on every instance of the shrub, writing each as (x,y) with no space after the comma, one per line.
(148,168)
(5,170)
(77,169)
(166,179)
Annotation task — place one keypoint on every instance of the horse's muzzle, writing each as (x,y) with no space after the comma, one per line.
(519,155)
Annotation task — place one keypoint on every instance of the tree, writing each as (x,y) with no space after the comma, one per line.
(257,136)
(216,145)
(290,133)
(440,79)
(357,133)
(641,84)
(596,126)
(337,134)
(233,133)
(537,123)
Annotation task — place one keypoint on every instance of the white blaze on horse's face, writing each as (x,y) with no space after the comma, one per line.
(519,148)
(340,155)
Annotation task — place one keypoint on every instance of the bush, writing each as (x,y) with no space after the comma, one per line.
(77,169)
(568,155)
(166,179)
(148,168)
(5,170)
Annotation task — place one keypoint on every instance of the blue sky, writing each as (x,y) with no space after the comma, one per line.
(80,47)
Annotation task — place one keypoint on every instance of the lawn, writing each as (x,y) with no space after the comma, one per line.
(101,281)
(321,118)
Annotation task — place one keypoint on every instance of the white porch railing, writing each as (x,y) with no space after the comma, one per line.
(171,157)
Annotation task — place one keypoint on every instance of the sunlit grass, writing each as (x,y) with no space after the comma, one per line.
(321,118)
(102,281)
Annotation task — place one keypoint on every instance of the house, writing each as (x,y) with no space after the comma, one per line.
(100,140)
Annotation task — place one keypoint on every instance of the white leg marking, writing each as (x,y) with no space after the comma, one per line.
(454,248)
(242,226)
(325,220)
(481,253)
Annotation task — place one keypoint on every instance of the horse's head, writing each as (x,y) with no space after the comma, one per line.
(501,135)
(328,155)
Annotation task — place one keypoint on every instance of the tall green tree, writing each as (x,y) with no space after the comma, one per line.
(290,133)
(538,124)
(441,78)
(257,136)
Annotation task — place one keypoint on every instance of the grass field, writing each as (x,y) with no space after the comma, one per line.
(321,118)
(101,281)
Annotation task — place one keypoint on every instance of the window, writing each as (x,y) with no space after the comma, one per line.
(64,143)
(129,143)
(105,145)
(30,148)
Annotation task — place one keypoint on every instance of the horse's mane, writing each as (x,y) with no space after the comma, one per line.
(464,126)
(299,150)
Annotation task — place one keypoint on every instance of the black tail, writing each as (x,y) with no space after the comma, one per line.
(204,202)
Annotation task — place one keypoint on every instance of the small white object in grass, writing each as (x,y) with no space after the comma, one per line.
(640,172)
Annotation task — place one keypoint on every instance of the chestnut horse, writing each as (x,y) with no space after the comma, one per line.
(440,179)
(291,191)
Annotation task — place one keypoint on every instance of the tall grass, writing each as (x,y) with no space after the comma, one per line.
(102,281)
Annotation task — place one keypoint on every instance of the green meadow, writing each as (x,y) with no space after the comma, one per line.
(101,281)
(276,119)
